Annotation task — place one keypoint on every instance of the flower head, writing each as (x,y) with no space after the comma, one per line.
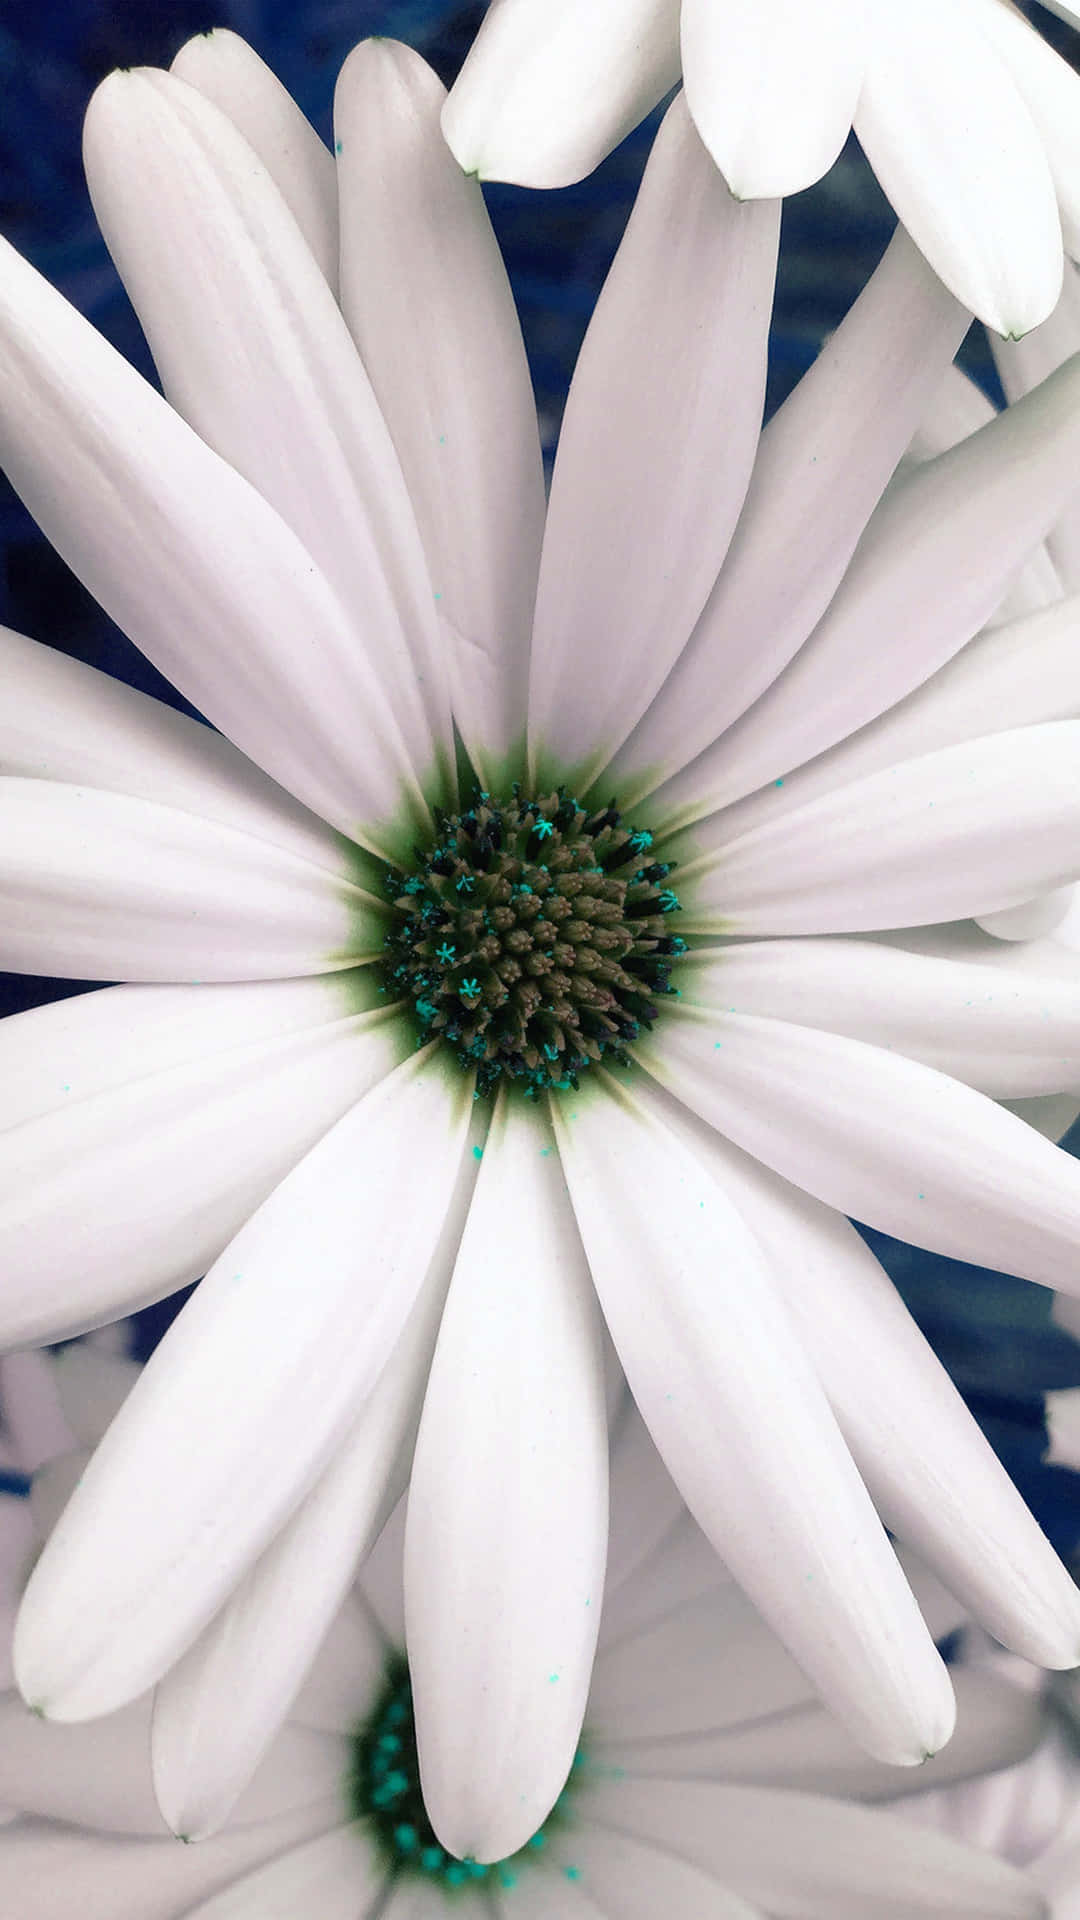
(967,117)
(746,646)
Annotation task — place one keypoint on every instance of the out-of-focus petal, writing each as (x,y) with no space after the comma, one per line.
(655,453)
(550,86)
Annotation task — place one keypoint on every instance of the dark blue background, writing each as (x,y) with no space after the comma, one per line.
(993,1333)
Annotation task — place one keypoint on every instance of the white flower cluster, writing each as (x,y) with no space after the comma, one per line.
(576,909)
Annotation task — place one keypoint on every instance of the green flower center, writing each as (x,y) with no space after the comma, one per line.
(532,937)
(384,1793)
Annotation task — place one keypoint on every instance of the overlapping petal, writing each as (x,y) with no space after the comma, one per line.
(507,1520)
(150,1148)
(159,1532)
(655,453)
(790,1518)
(547,89)
(425,293)
(253,351)
(198,568)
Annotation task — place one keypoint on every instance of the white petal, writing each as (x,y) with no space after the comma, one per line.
(99,886)
(425,293)
(507,1520)
(655,452)
(48,1869)
(935,1481)
(253,352)
(997,1725)
(152,1176)
(548,89)
(810,1858)
(710,1355)
(412,1900)
(338,1876)
(772,86)
(963,831)
(881,1138)
(821,467)
(228,72)
(95,1777)
(63,720)
(680,1568)
(1013,675)
(631,1881)
(930,569)
(1007,1032)
(196,567)
(337,1692)
(221,1705)
(1022,364)
(286,1337)
(954,147)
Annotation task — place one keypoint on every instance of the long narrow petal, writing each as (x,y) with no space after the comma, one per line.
(550,86)
(286,1337)
(997,1725)
(881,1138)
(710,1354)
(955,148)
(1022,364)
(97,1780)
(196,567)
(811,1858)
(630,1880)
(932,566)
(645,1504)
(230,73)
(655,454)
(1014,675)
(1009,1032)
(339,1876)
(507,1520)
(958,833)
(34,1421)
(218,271)
(1050,89)
(152,1175)
(821,467)
(99,886)
(121,1879)
(772,87)
(219,1708)
(63,720)
(935,1480)
(425,292)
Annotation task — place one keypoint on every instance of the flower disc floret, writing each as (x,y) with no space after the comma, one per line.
(533,937)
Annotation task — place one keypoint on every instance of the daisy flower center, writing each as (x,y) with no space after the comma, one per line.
(533,937)
(384,1793)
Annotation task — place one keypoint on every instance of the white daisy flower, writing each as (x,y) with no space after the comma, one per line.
(970,121)
(331,536)
(707,1779)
